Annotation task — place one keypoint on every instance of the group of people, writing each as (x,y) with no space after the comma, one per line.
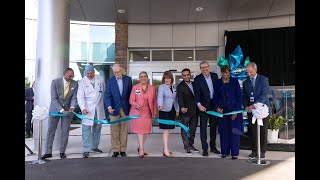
(188,100)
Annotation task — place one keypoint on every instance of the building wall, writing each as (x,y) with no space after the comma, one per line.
(192,35)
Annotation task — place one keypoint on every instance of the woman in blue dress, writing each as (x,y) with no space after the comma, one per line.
(228,98)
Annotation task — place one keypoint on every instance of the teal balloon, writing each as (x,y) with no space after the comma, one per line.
(236,63)
(246,62)
(223,62)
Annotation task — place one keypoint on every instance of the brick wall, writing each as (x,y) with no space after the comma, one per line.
(121,42)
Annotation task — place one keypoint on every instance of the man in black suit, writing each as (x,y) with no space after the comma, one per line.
(29,98)
(188,110)
(203,92)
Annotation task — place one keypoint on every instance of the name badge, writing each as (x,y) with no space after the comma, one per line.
(251,99)
(137,91)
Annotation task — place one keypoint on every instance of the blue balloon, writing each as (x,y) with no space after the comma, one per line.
(236,63)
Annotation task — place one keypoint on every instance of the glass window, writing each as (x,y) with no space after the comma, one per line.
(206,55)
(139,56)
(161,55)
(183,55)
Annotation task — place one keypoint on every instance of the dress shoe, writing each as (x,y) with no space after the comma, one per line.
(115,154)
(97,150)
(234,157)
(188,152)
(27,136)
(205,153)
(253,155)
(45,156)
(63,155)
(192,148)
(85,154)
(215,150)
(168,156)
(143,153)
(123,154)
(224,155)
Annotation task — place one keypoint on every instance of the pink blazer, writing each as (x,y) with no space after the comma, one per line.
(137,98)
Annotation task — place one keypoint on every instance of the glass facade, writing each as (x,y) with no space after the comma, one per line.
(90,43)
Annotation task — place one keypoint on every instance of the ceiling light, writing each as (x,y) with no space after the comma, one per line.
(121,11)
(145,57)
(190,57)
(199,8)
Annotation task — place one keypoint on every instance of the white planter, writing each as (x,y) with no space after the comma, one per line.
(273,135)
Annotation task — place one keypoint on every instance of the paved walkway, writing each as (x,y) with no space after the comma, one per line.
(283,170)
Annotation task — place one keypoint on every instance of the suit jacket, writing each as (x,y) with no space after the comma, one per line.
(28,96)
(136,98)
(201,89)
(260,91)
(57,100)
(167,99)
(113,97)
(186,99)
(227,96)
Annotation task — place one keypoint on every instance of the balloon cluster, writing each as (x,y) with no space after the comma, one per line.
(236,63)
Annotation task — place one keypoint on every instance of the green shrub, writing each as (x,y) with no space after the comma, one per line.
(276,122)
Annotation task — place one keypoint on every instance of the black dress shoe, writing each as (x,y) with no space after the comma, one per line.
(205,153)
(123,154)
(63,155)
(224,156)
(45,156)
(215,150)
(115,154)
(85,154)
(234,157)
(97,150)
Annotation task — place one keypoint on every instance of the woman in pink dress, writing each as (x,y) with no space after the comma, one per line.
(143,103)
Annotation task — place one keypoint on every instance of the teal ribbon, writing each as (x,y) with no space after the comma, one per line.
(214,113)
(128,118)
(103,121)
(170,122)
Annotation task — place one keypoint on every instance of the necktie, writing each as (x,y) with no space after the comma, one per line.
(252,81)
(66,89)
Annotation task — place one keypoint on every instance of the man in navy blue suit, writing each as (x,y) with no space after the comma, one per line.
(203,94)
(118,89)
(29,98)
(256,90)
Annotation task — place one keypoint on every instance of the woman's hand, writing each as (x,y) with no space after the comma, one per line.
(219,110)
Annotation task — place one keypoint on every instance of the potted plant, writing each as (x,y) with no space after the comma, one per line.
(275,123)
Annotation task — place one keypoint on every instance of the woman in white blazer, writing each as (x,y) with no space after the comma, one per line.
(90,98)
(168,108)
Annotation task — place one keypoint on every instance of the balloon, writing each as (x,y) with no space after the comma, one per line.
(236,63)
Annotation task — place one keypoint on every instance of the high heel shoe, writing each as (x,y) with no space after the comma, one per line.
(169,151)
(143,153)
(168,156)
(140,156)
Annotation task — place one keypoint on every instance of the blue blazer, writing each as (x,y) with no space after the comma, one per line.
(167,99)
(260,91)
(201,89)
(113,97)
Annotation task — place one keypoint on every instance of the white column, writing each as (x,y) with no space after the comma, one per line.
(52,57)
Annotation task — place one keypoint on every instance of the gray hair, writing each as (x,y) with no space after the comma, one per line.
(203,62)
(252,64)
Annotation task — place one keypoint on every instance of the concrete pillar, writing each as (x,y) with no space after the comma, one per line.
(52,57)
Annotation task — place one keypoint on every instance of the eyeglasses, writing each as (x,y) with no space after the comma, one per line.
(116,71)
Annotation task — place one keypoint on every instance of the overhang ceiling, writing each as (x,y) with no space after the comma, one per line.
(177,11)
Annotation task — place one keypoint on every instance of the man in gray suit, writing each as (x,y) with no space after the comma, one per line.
(63,100)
